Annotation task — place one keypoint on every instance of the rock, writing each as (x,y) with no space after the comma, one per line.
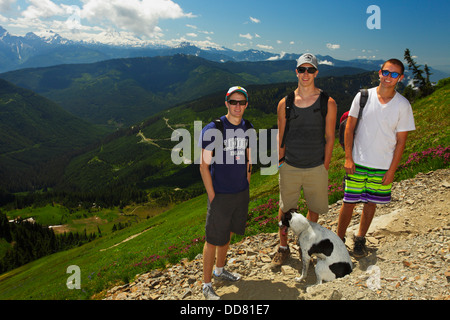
(409,242)
(287,270)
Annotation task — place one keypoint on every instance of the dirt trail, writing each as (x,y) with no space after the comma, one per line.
(409,257)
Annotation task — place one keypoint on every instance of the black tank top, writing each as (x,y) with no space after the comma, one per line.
(305,140)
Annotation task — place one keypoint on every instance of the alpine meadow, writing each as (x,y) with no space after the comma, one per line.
(86,175)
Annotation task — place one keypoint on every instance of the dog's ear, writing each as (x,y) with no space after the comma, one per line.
(288,214)
(286,217)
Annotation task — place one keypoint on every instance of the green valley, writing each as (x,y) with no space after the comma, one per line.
(165,238)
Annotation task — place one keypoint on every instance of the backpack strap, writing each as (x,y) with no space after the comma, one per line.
(362,103)
(289,103)
(364,97)
(219,125)
(324,97)
(324,103)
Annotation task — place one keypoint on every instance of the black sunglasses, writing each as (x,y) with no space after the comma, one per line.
(235,102)
(394,75)
(308,69)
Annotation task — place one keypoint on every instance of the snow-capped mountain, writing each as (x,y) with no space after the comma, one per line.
(50,37)
(43,49)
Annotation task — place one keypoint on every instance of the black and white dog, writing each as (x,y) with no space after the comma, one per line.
(333,260)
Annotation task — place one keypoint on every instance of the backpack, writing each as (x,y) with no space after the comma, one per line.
(290,103)
(343,123)
(219,125)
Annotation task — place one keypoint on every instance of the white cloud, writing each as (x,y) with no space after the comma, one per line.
(41,9)
(277,57)
(246,36)
(138,16)
(264,47)
(191,34)
(326,62)
(6,4)
(333,46)
(254,20)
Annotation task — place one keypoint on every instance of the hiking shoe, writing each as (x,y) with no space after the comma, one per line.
(225,275)
(360,249)
(281,256)
(209,293)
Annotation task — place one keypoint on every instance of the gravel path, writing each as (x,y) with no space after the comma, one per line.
(409,255)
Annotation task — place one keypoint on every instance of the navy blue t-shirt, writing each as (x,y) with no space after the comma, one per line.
(229,167)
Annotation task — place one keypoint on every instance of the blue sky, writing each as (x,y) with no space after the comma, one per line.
(328,27)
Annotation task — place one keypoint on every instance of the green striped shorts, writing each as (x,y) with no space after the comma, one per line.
(365,185)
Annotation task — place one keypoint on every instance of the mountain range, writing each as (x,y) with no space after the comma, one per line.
(45,49)
(125,91)
(53,117)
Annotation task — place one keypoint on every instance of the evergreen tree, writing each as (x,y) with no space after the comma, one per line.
(420,82)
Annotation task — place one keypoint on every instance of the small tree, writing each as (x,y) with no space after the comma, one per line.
(421,83)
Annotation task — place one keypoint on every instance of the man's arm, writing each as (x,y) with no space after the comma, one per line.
(330,124)
(249,165)
(206,174)
(398,152)
(349,135)
(281,112)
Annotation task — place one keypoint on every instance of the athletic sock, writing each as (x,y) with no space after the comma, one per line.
(218,271)
(207,285)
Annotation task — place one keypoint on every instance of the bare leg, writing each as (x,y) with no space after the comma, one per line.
(222,254)
(282,232)
(209,256)
(366,218)
(312,216)
(345,216)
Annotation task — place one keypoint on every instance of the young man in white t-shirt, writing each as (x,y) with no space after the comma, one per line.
(373,153)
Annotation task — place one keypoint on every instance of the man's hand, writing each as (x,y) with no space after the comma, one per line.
(349,166)
(388,177)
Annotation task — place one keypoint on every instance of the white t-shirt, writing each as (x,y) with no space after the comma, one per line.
(375,138)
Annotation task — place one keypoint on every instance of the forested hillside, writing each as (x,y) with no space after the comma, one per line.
(123,92)
(35,136)
(140,156)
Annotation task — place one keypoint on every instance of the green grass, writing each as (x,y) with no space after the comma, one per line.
(177,233)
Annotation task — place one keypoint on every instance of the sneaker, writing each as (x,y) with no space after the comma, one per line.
(225,275)
(360,249)
(281,256)
(209,293)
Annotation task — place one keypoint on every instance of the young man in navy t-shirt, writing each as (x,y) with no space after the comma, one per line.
(225,168)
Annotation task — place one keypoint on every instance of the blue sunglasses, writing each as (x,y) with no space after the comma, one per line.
(394,75)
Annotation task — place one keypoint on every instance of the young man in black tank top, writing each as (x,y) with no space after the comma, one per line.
(306,155)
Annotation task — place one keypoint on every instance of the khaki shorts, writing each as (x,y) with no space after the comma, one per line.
(315,187)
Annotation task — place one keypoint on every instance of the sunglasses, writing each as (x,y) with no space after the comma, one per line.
(307,69)
(394,75)
(235,102)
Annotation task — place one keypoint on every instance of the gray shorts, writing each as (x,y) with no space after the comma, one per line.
(226,213)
